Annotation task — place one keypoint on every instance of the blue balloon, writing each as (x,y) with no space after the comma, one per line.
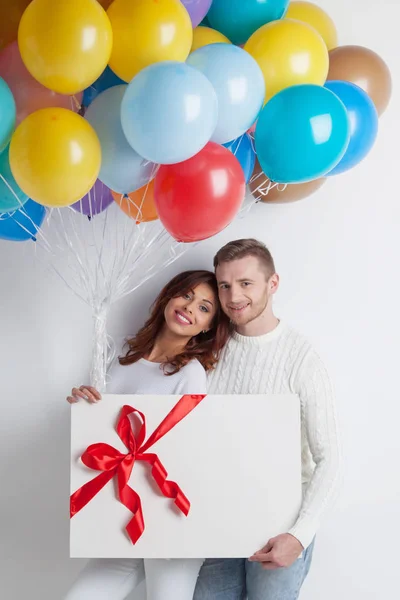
(122,169)
(169,112)
(239,85)
(11,195)
(22,225)
(106,80)
(8,113)
(239,19)
(244,151)
(301,134)
(363,119)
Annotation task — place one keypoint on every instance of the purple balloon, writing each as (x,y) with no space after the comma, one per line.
(95,201)
(197,9)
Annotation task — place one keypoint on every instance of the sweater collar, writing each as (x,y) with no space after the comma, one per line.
(259,340)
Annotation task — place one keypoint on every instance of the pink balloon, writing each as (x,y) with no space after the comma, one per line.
(29,94)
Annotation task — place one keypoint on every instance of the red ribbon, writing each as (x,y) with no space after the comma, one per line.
(102,457)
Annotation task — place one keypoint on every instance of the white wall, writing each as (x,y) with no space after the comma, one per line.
(337,254)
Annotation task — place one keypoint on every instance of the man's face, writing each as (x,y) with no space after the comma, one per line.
(244,289)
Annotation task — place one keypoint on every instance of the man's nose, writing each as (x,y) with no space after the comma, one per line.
(234,294)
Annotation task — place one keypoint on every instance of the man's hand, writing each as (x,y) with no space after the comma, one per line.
(281,551)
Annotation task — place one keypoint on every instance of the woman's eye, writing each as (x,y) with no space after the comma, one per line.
(204,308)
(186,296)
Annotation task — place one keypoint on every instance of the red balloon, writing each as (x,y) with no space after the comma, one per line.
(197,198)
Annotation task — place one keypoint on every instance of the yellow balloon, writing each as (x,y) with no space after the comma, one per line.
(289,53)
(55,156)
(204,36)
(65,47)
(310,13)
(146,32)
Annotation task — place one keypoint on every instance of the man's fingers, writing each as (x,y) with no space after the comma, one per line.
(261,557)
(265,550)
(72,400)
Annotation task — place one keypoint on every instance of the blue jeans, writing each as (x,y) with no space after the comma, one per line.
(237,578)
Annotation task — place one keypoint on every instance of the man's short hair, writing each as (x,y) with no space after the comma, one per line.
(246,247)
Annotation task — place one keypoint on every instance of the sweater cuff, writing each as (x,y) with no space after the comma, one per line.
(304,531)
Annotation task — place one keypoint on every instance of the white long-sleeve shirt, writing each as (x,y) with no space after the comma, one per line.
(145,377)
(282,362)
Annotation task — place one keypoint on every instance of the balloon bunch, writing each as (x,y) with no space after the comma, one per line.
(168,103)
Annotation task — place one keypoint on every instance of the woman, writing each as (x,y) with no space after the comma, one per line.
(181,340)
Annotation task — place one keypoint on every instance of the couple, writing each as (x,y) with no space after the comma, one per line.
(224,325)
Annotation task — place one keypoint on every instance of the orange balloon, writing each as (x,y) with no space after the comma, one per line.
(138,205)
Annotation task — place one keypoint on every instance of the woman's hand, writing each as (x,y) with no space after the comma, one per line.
(85,392)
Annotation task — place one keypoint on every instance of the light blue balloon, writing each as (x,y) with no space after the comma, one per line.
(244,151)
(363,119)
(301,134)
(239,19)
(11,195)
(239,85)
(122,169)
(169,112)
(8,113)
(22,225)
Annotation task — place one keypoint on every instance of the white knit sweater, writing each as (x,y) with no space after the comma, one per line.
(282,362)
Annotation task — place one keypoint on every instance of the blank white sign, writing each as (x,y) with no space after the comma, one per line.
(237,459)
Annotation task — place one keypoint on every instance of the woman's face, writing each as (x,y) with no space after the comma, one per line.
(192,312)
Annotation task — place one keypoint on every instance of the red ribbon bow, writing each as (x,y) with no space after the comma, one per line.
(102,457)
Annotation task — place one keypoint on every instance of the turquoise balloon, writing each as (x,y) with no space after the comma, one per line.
(239,19)
(301,134)
(239,84)
(122,169)
(11,196)
(169,112)
(7,114)
(363,119)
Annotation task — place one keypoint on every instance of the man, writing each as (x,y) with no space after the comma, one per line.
(266,355)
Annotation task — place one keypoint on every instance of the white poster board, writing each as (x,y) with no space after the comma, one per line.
(236,457)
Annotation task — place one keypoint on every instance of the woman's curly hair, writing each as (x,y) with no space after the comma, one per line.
(206,347)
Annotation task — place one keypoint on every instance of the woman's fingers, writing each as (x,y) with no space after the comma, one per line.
(84,392)
(93,391)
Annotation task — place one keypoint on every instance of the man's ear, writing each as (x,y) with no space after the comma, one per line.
(273,283)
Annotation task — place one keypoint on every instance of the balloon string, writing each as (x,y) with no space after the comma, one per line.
(74,102)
